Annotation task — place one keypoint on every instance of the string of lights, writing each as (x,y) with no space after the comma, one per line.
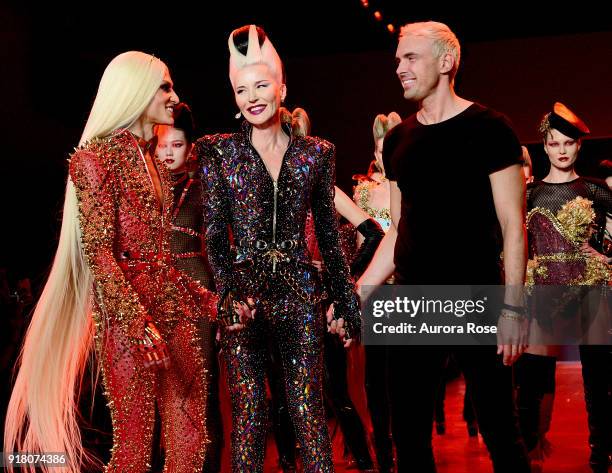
(379,17)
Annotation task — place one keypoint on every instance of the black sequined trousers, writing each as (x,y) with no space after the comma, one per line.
(297,328)
(266,219)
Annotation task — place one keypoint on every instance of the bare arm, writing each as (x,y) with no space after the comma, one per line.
(348,209)
(508,188)
(382,265)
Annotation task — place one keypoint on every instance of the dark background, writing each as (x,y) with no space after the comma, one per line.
(340,68)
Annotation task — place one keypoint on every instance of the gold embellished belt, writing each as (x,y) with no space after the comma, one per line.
(562,257)
(272,253)
(278,256)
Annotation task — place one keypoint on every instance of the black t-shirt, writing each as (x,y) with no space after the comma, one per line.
(448,232)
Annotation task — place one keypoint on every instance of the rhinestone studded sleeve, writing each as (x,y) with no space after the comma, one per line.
(326,229)
(97,209)
(216,213)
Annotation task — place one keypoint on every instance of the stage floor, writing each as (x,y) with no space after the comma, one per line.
(457,453)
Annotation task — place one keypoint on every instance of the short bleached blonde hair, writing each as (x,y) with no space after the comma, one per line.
(444,40)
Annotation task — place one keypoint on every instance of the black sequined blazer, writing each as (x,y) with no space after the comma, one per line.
(266,219)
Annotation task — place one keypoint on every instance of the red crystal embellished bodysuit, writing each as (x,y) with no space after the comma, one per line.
(125,235)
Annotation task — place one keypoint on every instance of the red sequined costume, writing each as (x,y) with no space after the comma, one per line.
(125,234)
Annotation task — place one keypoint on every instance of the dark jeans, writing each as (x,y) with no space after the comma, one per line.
(534,377)
(469,415)
(414,375)
(377,392)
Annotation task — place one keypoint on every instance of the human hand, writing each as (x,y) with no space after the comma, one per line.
(512,336)
(245,311)
(152,349)
(338,327)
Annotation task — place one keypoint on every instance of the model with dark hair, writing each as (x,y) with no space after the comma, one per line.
(566,224)
(174,150)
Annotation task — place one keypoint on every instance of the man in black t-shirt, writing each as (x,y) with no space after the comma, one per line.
(447,173)
(457,201)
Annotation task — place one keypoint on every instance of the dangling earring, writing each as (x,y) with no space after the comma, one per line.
(238,115)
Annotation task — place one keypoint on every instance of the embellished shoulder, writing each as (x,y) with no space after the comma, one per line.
(319,144)
(92,146)
(322,152)
(102,149)
(216,144)
(214,139)
(118,138)
(362,194)
(89,159)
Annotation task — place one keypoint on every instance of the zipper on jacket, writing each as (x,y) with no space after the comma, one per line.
(275,184)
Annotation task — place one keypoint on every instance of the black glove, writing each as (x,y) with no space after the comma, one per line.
(352,318)
(373,234)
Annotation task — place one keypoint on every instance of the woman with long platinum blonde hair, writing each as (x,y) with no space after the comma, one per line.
(113,282)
